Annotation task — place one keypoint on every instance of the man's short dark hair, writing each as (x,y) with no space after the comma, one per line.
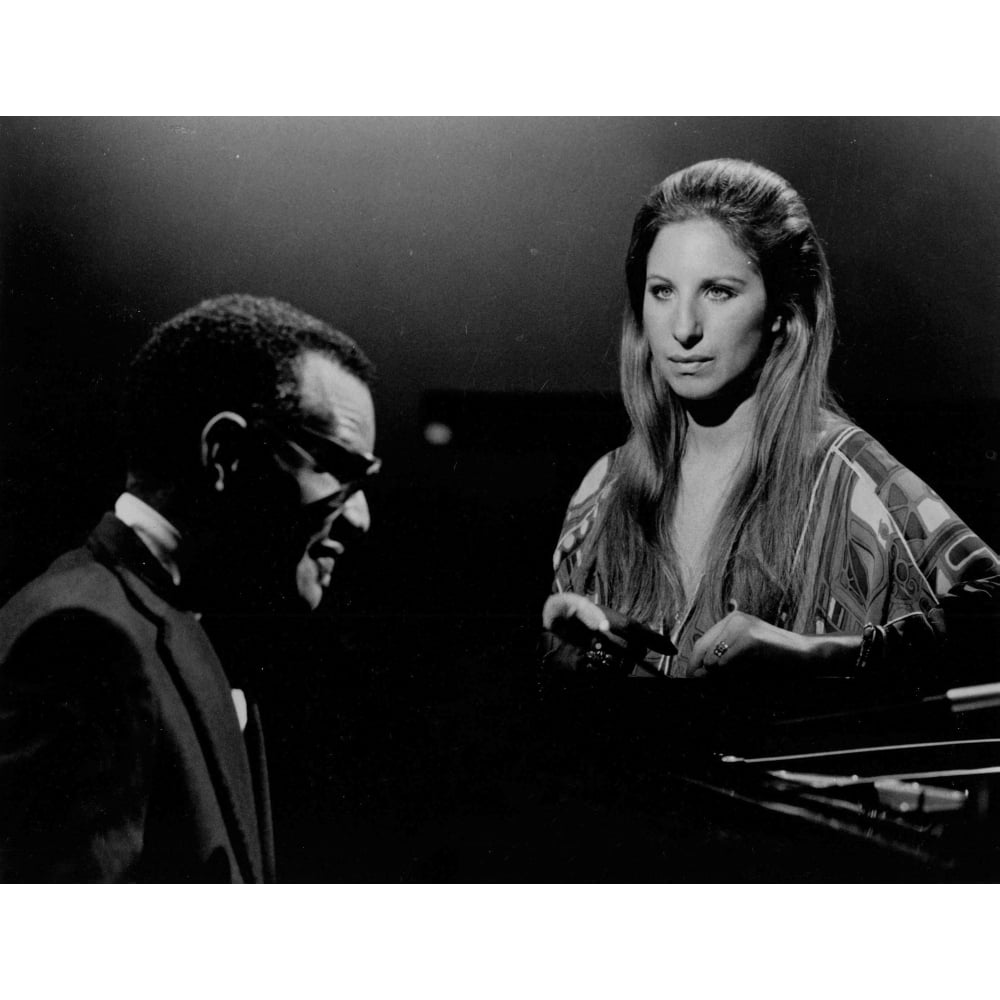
(235,352)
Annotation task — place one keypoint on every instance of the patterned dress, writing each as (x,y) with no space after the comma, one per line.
(879,547)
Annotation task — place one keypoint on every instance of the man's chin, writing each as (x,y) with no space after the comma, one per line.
(311,601)
(310,589)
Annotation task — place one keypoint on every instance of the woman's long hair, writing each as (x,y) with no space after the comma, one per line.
(752,552)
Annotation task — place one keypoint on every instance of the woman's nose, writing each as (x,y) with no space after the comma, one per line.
(687,329)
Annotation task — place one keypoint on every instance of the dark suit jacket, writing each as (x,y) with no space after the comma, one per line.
(121,757)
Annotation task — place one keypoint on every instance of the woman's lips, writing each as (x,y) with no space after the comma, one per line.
(689,365)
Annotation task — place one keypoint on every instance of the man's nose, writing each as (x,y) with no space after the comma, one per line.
(356,511)
(687,329)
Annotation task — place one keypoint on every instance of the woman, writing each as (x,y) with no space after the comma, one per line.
(745,517)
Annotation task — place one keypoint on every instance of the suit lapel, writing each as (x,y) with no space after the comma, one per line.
(203,684)
(189,656)
(258,765)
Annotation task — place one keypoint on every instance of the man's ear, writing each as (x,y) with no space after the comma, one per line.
(223,440)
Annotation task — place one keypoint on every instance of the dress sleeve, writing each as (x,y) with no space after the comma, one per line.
(76,735)
(938,597)
(578,522)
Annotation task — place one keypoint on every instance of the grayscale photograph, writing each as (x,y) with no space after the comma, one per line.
(499,500)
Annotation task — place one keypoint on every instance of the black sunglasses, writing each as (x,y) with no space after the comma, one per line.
(325,454)
(329,455)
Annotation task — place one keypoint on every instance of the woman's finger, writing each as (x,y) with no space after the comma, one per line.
(574,606)
(557,606)
(715,647)
(702,649)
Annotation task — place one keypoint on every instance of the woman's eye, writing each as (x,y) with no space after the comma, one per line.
(660,291)
(720,293)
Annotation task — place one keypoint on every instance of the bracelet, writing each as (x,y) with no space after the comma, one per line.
(870,634)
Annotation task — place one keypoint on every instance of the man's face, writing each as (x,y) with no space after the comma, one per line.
(282,499)
(326,456)
(327,460)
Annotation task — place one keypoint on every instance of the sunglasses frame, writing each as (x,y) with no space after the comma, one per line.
(367,464)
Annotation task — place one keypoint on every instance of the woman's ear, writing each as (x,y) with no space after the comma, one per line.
(223,440)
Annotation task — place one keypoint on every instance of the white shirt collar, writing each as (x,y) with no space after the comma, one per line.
(153,529)
(162,539)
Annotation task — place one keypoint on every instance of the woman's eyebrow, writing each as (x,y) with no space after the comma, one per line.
(705,281)
(726,277)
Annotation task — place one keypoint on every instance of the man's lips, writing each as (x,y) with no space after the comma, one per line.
(325,554)
(328,547)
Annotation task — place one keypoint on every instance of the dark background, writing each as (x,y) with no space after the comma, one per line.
(479,262)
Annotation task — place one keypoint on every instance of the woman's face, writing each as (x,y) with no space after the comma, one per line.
(704,311)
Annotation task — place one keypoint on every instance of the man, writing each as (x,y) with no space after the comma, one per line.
(127,751)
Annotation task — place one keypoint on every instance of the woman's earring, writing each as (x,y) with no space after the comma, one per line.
(220,478)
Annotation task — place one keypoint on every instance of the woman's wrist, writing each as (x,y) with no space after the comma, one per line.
(833,655)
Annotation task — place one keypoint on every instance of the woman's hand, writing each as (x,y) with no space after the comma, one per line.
(742,642)
(573,624)
(563,611)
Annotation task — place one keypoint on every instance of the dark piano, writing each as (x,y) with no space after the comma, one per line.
(698,781)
